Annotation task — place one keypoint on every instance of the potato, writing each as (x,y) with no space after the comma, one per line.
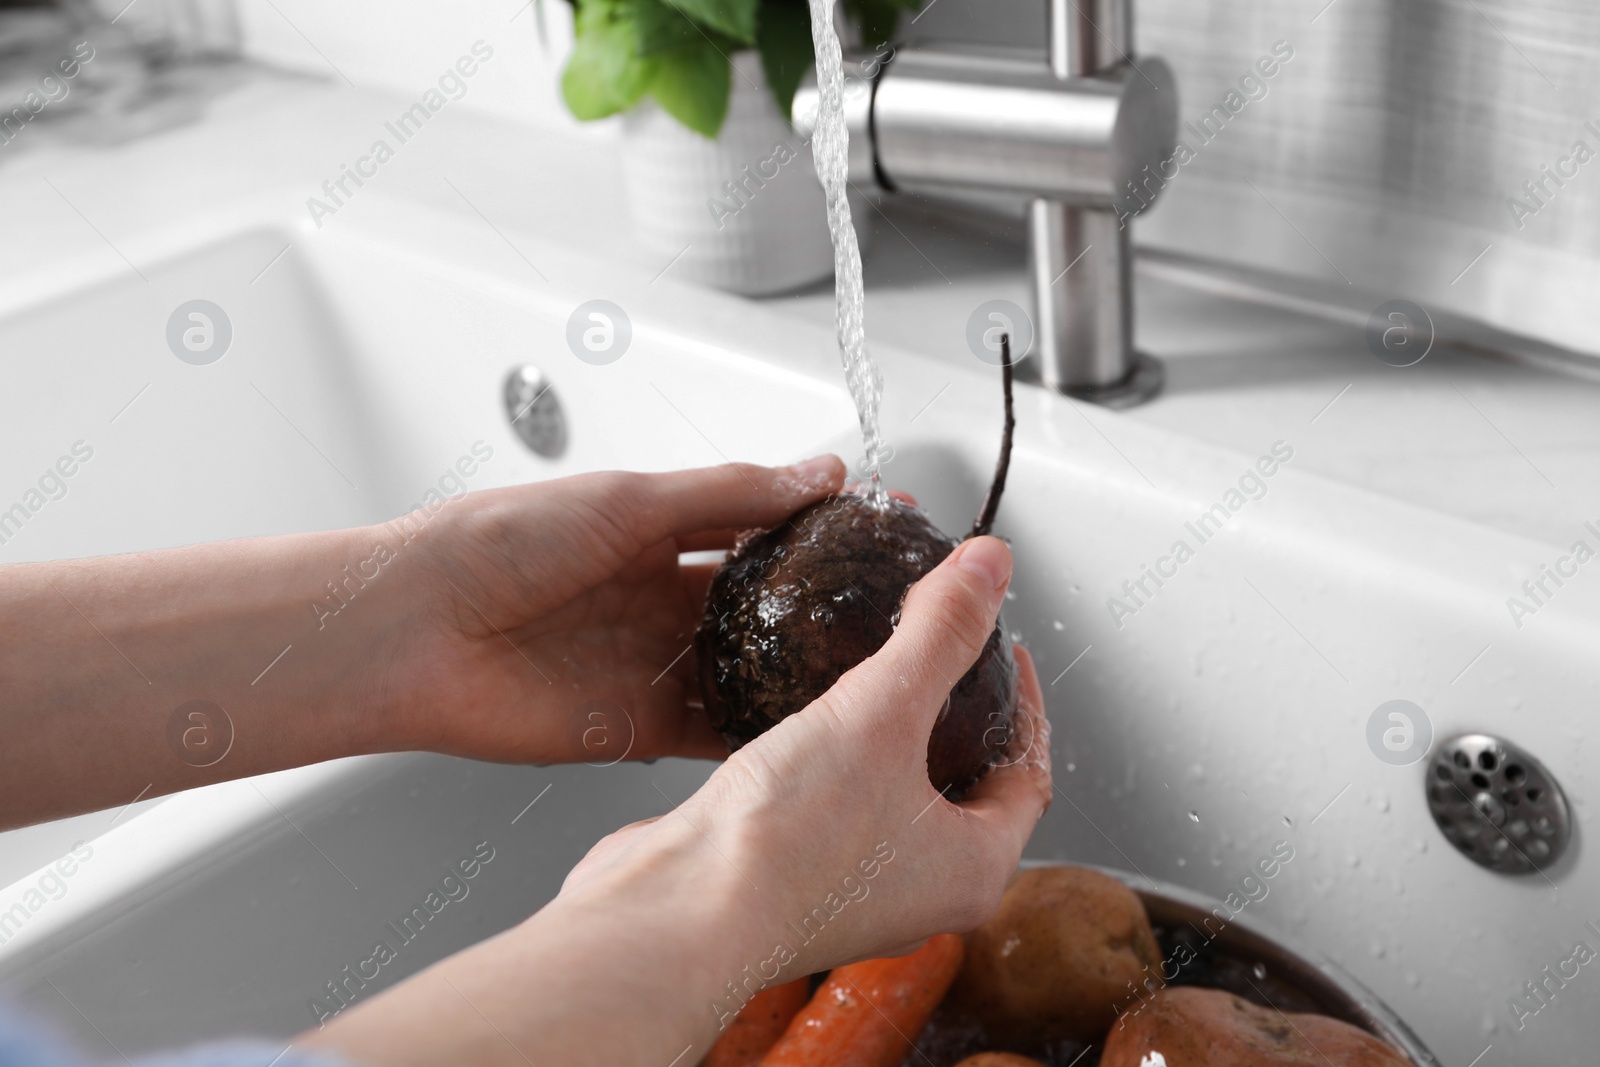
(1193,1027)
(999,1059)
(1064,950)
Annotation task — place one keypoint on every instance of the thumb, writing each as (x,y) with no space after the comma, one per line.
(947,617)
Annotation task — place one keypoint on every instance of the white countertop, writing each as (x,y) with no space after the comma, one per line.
(1487,441)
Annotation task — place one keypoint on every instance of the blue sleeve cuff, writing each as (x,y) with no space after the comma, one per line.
(25,1043)
(246,1053)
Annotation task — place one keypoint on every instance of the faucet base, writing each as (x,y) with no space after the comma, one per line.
(1141,383)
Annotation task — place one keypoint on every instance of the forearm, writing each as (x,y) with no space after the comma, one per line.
(624,971)
(99,657)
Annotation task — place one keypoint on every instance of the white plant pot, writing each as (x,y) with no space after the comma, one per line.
(744,212)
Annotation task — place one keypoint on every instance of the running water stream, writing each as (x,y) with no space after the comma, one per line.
(831,147)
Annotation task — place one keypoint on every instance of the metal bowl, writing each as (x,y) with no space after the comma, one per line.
(1233,953)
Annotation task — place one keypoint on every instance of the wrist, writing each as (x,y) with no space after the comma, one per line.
(368,620)
(432,602)
(621,969)
(362,616)
(675,930)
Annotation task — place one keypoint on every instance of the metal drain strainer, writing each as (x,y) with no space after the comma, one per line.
(1497,805)
(535,412)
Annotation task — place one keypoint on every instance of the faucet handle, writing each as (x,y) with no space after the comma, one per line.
(940,119)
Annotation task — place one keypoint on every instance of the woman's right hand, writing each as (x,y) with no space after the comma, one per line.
(832,808)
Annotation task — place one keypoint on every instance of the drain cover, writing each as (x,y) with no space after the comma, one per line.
(535,412)
(1497,804)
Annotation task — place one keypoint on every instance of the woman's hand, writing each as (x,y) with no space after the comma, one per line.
(559,622)
(818,843)
(546,622)
(836,800)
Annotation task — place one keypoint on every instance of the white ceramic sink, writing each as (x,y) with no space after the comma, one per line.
(1224,719)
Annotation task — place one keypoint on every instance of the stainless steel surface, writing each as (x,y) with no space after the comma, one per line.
(1086,319)
(1004,123)
(1277,971)
(1497,804)
(1080,270)
(1074,136)
(1091,310)
(996,122)
(535,412)
(1389,153)
(1089,36)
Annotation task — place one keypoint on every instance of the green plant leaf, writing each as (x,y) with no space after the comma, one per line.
(691,84)
(605,73)
(732,18)
(784,38)
(661,27)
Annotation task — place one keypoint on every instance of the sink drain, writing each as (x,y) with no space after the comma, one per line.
(535,411)
(1497,805)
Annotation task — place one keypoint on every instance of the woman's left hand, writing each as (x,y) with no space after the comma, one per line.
(558,623)
(537,623)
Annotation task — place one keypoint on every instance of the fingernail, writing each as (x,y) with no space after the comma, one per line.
(987,557)
(818,470)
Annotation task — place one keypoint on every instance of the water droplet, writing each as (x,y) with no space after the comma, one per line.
(1260,971)
(1182,862)
(1071,767)
(1058,624)
(1287,821)
(1194,816)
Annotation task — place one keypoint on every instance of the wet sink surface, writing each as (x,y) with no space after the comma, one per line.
(1201,722)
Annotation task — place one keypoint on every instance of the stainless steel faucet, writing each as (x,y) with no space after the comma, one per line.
(1076,134)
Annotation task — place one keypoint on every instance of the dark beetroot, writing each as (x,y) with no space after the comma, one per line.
(796,606)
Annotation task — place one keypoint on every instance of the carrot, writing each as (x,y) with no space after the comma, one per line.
(867,1014)
(758,1025)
